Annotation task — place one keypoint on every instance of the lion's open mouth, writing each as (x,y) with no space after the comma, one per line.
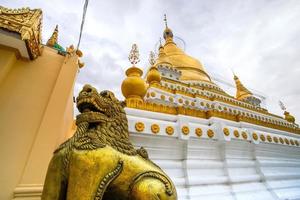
(89,104)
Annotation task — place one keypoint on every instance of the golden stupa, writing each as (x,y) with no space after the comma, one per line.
(241,91)
(191,68)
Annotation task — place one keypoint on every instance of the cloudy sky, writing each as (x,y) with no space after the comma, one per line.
(259,40)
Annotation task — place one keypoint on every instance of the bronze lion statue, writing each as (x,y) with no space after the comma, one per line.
(99,162)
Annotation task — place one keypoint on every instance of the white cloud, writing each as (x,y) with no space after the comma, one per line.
(258,39)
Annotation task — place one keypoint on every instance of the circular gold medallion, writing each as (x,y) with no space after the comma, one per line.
(292,142)
(185,130)
(152,94)
(275,139)
(262,137)
(281,140)
(139,126)
(244,135)
(198,132)
(169,130)
(286,141)
(226,131)
(155,128)
(236,133)
(269,138)
(254,136)
(210,133)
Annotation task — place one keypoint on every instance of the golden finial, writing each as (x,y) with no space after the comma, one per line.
(153,76)
(166,21)
(152,58)
(134,87)
(134,55)
(53,39)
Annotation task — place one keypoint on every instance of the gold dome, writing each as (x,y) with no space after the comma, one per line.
(191,68)
(153,76)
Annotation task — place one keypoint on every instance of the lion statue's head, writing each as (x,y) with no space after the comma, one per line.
(106,116)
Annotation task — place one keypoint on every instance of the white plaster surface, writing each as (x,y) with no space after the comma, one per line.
(223,167)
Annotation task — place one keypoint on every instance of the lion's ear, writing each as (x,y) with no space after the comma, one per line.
(123,104)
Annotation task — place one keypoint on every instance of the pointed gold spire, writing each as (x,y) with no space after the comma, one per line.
(161,52)
(53,39)
(168,34)
(241,91)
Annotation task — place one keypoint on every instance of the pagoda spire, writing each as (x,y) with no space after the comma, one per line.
(53,39)
(168,34)
(241,91)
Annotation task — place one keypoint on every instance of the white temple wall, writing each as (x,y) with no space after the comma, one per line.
(221,167)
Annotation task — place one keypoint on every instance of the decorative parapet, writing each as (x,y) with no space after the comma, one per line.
(182,110)
(25,22)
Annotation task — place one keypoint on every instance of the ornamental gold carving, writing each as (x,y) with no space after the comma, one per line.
(155,128)
(275,139)
(292,142)
(236,133)
(226,131)
(198,132)
(99,162)
(27,23)
(185,130)
(139,126)
(244,135)
(262,137)
(210,133)
(296,142)
(169,130)
(223,113)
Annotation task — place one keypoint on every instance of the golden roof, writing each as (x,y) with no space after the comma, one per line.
(26,23)
(241,91)
(191,68)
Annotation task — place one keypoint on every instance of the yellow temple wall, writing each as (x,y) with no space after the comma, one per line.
(36,115)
